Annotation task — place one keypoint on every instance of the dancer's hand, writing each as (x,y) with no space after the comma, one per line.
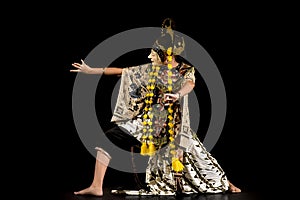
(170,98)
(81,67)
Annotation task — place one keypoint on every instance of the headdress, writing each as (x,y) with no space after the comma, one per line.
(168,40)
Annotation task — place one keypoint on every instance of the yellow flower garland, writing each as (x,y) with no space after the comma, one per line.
(177,166)
(148,147)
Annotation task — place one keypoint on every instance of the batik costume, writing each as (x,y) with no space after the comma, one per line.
(201,172)
(178,162)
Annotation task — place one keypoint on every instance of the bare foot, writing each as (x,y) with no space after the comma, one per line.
(90,191)
(233,188)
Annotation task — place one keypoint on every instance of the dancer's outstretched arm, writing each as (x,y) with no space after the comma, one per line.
(86,69)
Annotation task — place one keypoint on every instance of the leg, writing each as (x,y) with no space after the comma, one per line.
(96,188)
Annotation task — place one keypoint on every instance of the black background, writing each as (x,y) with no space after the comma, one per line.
(50,39)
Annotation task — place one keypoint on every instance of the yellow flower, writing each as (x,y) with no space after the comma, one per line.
(170,125)
(170,81)
(151,149)
(170,66)
(170,88)
(169,51)
(170,73)
(169,58)
(177,165)
(170,117)
(150,123)
(144,137)
(173,152)
(150,137)
(144,130)
(144,149)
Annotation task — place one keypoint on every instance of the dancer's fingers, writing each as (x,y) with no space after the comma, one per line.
(77,65)
(74,70)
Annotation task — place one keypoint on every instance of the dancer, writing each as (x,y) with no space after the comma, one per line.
(153,98)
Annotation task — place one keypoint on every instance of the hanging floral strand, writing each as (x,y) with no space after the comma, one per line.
(148,147)
(177,166)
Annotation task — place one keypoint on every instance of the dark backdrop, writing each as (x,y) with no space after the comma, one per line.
(51,40)
(238,149)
